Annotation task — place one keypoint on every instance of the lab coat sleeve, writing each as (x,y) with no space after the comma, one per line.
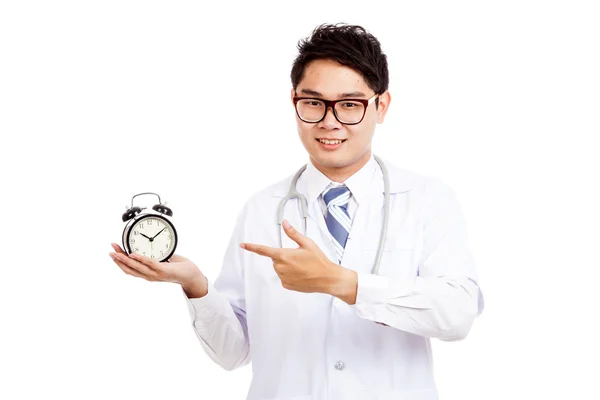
(219,318)
(444,299)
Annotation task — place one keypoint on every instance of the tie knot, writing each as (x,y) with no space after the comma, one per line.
(337,196)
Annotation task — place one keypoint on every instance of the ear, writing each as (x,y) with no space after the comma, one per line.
(384,103)
(293,92)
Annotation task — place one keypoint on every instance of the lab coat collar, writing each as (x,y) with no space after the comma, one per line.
(401,180)
(312,182)
(358,183)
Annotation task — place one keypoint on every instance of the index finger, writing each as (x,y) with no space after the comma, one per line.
(262,250)
(117,248)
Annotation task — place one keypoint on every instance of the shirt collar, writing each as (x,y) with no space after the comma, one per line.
(358,183)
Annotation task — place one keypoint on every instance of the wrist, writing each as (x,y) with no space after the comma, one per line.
(344,284)
(196,288)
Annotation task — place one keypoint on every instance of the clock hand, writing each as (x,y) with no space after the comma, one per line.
(158,233)
(145,236)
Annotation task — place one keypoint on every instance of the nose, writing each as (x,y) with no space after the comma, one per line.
(329,122)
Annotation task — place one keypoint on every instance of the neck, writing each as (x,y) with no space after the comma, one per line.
(340,174)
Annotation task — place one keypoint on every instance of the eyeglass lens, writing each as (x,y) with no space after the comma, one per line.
(347,111)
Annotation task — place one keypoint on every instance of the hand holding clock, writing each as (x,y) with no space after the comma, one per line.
(178,270)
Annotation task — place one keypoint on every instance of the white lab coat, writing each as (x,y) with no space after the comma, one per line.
(312,346)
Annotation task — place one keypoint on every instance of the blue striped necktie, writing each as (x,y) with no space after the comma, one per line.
(337,219)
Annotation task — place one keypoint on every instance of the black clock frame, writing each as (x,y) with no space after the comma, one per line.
(135,220)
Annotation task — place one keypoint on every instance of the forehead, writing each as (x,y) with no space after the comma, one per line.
(332,79)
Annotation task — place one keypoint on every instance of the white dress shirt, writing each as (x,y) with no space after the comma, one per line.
(313,346)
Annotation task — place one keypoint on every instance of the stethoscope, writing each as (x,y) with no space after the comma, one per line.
(293,193)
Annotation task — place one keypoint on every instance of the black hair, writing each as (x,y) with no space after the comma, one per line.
(349,45)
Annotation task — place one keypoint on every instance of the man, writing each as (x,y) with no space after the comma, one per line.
(310,314)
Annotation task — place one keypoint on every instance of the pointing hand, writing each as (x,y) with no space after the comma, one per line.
(304,269)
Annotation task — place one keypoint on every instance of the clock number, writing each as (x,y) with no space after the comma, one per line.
(141,225)
(135,233)
(167,245)
(149,222)
(137,249)
(144,253)
(152,255)
(132,240)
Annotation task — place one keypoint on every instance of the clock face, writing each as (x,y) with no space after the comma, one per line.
(152,237)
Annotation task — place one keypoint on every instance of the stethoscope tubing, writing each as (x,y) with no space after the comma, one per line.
(294,194)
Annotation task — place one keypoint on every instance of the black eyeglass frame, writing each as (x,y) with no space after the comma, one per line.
(331,103)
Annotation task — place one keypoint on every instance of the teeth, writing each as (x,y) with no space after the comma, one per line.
(330,141)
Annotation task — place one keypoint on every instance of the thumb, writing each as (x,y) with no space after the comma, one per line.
(293,234)
(177,258)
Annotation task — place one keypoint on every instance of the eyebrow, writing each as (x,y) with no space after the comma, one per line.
(310,92)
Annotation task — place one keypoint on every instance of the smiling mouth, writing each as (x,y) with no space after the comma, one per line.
(328,141)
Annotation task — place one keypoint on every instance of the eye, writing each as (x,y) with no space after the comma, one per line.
(312,103)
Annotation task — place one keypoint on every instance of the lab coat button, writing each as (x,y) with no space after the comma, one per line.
(339,365)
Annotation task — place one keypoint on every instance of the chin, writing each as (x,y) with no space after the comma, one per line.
(331,160)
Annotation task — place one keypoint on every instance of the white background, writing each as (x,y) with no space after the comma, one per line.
(103,100)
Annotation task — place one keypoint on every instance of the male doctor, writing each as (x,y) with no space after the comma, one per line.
(312,317)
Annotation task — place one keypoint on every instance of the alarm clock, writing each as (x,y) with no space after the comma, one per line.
(149,233)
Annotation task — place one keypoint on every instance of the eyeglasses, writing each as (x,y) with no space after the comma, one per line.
(346,111)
